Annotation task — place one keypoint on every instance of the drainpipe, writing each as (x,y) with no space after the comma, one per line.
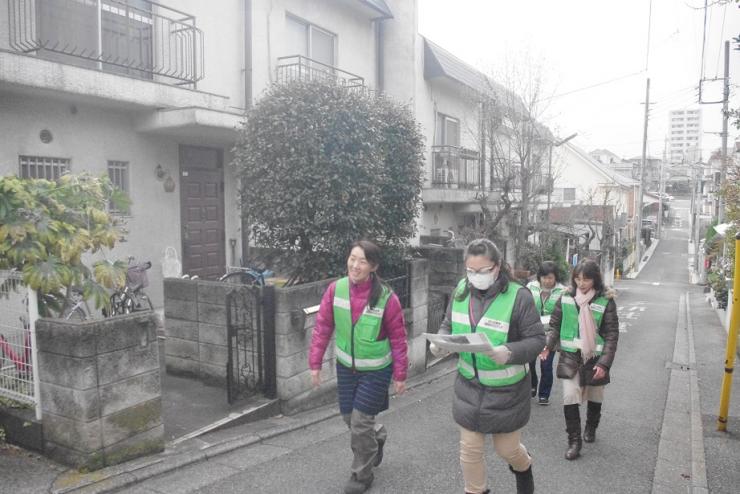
(247,104)
(247,54)
(380,53)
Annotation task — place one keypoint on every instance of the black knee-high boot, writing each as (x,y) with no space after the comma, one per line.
(573,428)
(593,416)
(524,481)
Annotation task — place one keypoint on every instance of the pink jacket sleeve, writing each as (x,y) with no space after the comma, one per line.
(394,327)
(323,330)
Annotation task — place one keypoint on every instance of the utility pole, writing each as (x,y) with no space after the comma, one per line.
(725,116)
(638,255)
(660,190)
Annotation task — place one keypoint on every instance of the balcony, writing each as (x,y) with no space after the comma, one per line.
(456,176)
(137,38)
(300,68)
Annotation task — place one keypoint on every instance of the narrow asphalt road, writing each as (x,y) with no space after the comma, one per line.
(422,449)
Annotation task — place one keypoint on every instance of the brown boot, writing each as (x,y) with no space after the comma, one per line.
(573,428)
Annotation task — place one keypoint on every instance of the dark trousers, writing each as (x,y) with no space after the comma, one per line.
(545,382)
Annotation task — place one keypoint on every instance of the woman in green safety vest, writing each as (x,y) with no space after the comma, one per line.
(584,323)
(491,393)
(366,319)
(546,290)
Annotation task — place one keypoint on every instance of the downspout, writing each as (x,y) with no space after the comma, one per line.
(380,53)
(244,226)
(247,54)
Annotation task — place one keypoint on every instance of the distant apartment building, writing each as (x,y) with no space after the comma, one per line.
(684,136)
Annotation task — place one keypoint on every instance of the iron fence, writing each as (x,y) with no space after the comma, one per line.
(18,315)
(133,37)
(456,168)
(300,68)
(401,287)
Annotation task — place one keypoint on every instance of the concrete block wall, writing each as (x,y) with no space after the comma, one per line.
(195,329)
(293,332)
(100,389)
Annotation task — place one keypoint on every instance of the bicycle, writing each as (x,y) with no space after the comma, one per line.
(131,297)
(246,275)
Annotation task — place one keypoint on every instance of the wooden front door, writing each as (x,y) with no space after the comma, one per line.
(202,211)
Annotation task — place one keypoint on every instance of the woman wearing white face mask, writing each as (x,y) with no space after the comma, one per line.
(492,390)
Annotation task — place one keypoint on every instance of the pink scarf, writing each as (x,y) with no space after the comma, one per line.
(586,324)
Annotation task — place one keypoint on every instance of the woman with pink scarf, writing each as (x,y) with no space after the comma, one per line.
(585,325)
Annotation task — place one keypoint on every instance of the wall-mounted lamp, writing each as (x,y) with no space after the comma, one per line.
(169,183)
(159,172)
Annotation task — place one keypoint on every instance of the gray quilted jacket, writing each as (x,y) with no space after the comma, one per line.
(503,409)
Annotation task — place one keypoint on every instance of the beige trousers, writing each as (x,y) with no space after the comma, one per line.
(574,394)
(472,461)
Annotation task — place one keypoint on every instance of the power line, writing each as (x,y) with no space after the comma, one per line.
(721,40)
(603,83)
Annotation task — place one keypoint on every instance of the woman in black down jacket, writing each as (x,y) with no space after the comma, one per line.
(588,343)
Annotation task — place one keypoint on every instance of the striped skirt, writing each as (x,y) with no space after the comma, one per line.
(365,391)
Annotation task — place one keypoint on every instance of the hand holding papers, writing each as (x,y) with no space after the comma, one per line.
(470,342)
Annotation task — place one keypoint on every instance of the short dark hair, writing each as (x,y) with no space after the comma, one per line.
(589,269)
(549,267)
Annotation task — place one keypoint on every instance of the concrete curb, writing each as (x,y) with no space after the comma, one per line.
(680,466)
(117,477)
(641,264)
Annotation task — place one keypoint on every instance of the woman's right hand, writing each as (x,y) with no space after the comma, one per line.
(544,354)
(316,377)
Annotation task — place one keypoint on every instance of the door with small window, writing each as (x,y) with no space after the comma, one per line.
(202,211)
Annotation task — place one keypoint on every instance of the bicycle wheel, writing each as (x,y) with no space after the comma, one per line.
(241,278)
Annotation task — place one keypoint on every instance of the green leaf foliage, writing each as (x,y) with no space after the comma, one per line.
(321,166)
(47,226)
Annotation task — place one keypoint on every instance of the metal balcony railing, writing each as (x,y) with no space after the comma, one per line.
(300,68)
(133,37)
(456,168)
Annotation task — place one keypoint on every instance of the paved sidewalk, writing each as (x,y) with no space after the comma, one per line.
(30,473)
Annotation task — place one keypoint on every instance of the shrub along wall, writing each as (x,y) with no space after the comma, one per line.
(100,389)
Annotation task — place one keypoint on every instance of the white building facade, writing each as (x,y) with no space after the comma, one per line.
(684,138)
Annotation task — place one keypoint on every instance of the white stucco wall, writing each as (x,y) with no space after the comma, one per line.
(90,137)
(354,42)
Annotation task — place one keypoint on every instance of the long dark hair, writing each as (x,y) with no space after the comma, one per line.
(485,247)
(549,267)
(587,268)
(373,256)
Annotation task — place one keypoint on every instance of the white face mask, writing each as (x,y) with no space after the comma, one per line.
(483,281)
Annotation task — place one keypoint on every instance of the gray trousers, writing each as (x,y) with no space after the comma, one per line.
(365,436)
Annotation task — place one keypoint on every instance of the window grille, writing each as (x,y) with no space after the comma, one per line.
(118,174)
(43,167)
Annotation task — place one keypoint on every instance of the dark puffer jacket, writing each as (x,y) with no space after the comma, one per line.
(502,409)
(571,363)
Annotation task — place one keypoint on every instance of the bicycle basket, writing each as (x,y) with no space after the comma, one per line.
(136,276)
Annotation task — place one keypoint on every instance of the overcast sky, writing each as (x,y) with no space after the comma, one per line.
(582,43)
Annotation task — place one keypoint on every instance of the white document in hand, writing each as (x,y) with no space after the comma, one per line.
(470,342)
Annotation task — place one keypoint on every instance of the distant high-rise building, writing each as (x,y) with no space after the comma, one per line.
(684,138)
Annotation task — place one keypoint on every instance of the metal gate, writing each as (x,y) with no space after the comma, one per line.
(251,342)
(18,314)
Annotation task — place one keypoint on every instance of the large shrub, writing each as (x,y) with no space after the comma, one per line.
(320,166)
(47,226)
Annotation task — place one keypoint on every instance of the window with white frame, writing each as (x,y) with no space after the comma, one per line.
(448,130)
(42,167)
(304,38)
(118,174)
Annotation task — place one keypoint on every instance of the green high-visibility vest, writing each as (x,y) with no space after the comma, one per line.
(570,340)
(495,325)
(549,305)
(357,346)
